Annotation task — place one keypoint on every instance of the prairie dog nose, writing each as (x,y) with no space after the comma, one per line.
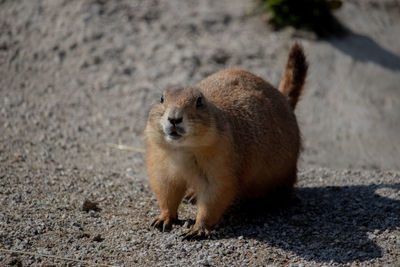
(175,121)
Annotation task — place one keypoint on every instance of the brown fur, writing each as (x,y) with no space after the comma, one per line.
(241,141)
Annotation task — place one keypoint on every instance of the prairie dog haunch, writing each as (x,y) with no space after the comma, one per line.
(233,135)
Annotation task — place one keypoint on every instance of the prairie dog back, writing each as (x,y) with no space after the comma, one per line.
(263,127)
(233,135)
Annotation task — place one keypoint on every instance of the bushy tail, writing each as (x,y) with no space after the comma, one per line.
(294,77)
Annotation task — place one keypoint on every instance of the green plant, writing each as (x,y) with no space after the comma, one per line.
(314,15)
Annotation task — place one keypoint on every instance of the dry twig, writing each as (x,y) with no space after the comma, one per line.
(124,147)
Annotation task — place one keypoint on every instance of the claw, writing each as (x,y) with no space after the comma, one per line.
(196,234)
(190,197)
(192,200)
(153,224)
(164,225)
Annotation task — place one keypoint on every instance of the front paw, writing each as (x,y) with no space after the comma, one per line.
(164,224)
(196,233)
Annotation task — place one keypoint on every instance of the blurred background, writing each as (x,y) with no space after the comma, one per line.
(78,76)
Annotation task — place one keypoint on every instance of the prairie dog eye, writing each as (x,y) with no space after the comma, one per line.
(199,102)
(162,99)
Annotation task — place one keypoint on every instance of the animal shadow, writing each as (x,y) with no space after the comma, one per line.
(364,49)
(322,224)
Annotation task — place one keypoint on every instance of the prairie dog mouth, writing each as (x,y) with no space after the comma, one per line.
(175,133)
(174,130)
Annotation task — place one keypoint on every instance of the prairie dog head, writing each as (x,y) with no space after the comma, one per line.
(182,118)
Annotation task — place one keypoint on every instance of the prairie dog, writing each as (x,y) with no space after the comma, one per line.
(233,135)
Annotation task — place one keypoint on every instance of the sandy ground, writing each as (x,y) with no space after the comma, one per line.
(77,79)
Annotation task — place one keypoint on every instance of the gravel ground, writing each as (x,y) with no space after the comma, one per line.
(341,217)
(77,79)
